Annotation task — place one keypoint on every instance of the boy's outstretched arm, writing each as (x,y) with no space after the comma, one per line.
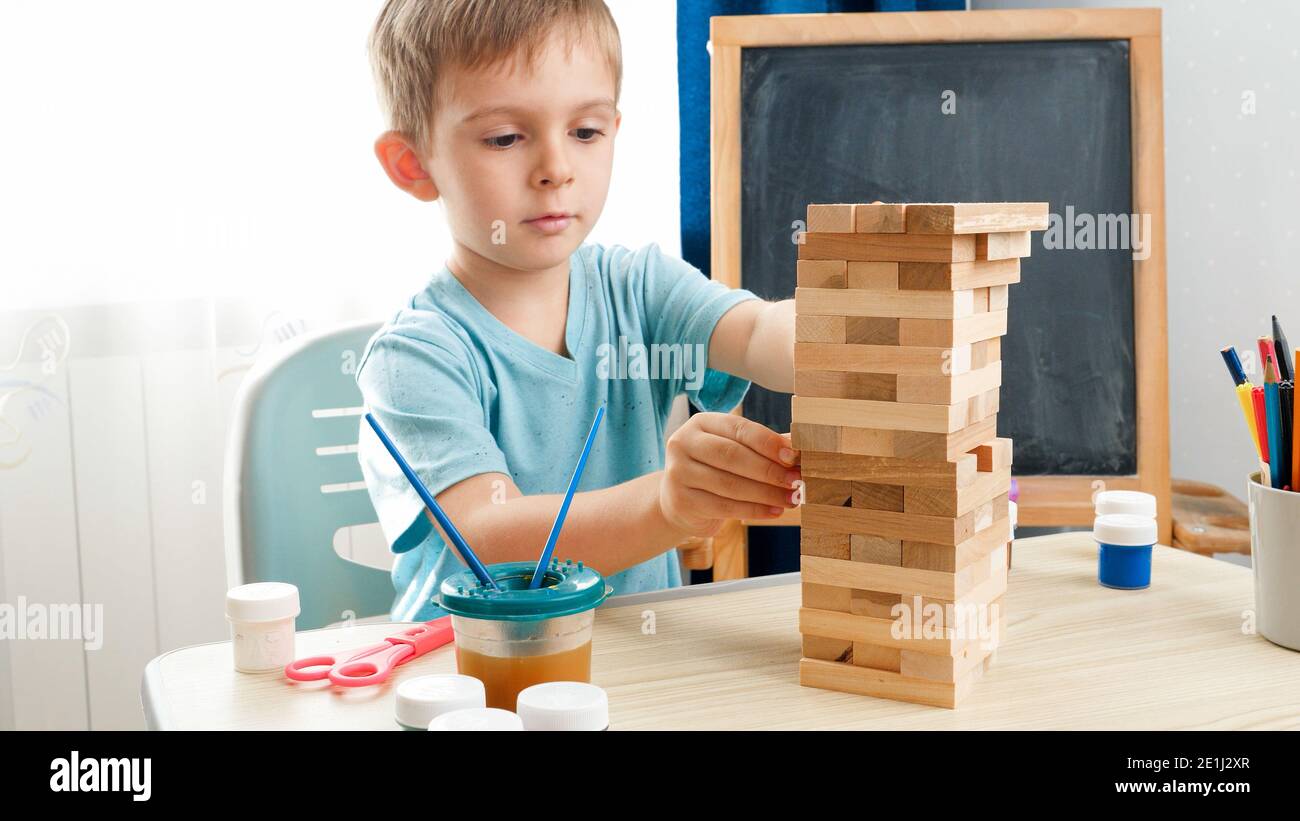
(718,466)
(755,341)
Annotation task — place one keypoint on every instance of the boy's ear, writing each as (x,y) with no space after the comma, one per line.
(402,164)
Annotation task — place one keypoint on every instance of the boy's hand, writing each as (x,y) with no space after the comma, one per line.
(722,466)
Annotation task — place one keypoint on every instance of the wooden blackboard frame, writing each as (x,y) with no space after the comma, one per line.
(1045,500)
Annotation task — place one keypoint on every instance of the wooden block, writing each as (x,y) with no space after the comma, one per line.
(928,556)
(876,656)
(877,496)
(946,668)
(896,359)
(956,558)
(850,678)
(903,304)
(814,437)
(826,597)
(1008,245)
(887,247)
(999,297)
(827,491)
(846,385)
(985,351)
(900,444)
(937,474)
(826,545)
(873,276)
(882,577)
(986,592)
(944,530)
(828,650)
(873,603)
(876,550)
(830,217)
(828,329)
(820,273)
(957,276)
(880,218)
(938,333)
(981,300)
(866,413)
(976,217)
(948,390)
(990,456)
(871,330)
(983,405)
(956,501)
(880,631)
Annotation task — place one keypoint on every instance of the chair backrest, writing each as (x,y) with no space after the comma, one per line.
(292,478)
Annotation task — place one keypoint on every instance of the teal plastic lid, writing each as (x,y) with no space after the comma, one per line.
(566,588)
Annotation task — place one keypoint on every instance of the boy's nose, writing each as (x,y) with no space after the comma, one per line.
(553,170)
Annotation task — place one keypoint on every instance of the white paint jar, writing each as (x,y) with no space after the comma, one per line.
(477,718)
(261,617)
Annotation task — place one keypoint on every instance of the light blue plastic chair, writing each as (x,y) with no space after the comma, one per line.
(279,524)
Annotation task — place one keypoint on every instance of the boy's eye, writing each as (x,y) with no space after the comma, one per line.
(587,134)
(501,141)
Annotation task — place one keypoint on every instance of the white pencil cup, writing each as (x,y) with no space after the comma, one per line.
(1275,560)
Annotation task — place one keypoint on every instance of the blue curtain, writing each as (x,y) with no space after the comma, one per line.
(693,92)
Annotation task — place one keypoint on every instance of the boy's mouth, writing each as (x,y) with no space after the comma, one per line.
(551,223)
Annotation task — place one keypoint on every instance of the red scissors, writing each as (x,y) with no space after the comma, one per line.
(371,665)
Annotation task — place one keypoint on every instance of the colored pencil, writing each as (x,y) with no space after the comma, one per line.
(1295,425)
(1261,422)
(1265,349)
(1273,410)
(1238,374)
(1280,349)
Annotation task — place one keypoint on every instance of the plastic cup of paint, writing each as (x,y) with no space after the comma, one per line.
(1132,502)
(262,617)
(564,706)
(1124,541)
(515,637)
(477,718)
(421,700)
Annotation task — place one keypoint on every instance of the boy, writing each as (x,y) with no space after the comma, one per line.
(489,378)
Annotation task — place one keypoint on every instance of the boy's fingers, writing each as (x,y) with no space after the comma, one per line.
(718,507)
(731,486)
(733,457)
(758,438)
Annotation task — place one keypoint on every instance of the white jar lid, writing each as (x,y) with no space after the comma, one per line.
(477,718)
(563,705)
(262,601)
(421,700)
(1124,529)
(1132,502)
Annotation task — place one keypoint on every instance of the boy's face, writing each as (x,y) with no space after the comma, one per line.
(522,159)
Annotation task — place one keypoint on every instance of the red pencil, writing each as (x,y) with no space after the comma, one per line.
(1265,351)
(1261,420)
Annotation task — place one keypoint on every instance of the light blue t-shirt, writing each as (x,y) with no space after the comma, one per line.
(461,394)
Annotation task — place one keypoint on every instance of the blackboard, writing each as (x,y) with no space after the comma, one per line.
(1039,121)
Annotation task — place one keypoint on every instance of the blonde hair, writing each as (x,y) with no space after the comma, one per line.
(414,42)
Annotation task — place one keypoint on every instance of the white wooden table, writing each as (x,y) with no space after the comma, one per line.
(725,656)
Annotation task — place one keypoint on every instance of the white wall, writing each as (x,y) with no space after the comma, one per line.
(184,185)
(1233,200)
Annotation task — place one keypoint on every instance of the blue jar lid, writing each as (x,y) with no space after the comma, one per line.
(566,588)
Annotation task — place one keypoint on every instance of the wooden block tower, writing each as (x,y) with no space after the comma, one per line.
(900,310)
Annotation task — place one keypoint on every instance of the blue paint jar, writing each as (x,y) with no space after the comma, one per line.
(1124,541)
